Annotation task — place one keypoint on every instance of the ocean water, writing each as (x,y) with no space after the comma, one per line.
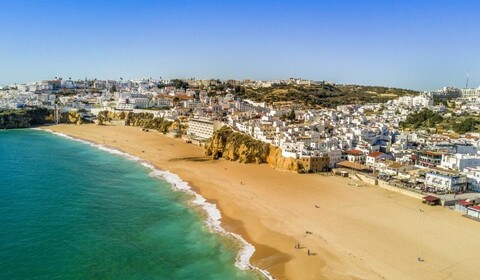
(69,210)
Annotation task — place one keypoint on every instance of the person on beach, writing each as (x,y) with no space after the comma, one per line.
(308,252)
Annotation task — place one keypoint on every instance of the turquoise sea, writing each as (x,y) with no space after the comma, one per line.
(69,210)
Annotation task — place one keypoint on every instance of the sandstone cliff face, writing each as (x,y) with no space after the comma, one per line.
(71,117)
(144,120)
(276,160)
(236,146)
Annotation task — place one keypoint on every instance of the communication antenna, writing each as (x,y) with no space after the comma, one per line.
(468,74)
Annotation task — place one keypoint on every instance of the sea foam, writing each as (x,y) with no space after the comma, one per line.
(214,216)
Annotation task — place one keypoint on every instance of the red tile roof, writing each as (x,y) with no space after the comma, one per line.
(375,154)
(476,207)
(355,152)
(353,165)
(430,153)
(464,203)
(430,198)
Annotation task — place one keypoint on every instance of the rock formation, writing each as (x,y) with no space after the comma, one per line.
(236,146)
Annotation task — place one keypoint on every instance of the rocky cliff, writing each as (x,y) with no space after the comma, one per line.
(236,146)
(71,117)
(144,120)
(22,118)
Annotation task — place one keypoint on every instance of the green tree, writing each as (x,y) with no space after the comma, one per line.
(424,118)
(113,89)
(177,83)
(467,125)
(291,116)
(102,117)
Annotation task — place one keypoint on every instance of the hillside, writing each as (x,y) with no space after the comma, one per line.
(426,119)
(325,95)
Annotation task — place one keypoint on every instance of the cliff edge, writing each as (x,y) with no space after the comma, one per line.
(236,146)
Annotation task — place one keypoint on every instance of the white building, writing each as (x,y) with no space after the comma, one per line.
(264,132)
(141,102)
(470,95)
(393,168)
(161,102)
(356,156)
(125,104)
(291,149)
(459,161)
(473,178)
(444,180)
(335,157)
(192,103)
(372,158)
(202,128)
(474,211)
(419,101)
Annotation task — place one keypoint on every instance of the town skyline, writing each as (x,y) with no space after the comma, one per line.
(260,82)
(420,46)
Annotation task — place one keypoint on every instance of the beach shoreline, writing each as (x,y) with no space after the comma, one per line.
(336,225)
(212,213)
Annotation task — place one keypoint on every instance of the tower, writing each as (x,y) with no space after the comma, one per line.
(468,74)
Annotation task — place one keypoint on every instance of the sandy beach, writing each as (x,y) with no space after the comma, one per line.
(354,232)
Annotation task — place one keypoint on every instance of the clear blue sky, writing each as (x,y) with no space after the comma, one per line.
(411,44)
